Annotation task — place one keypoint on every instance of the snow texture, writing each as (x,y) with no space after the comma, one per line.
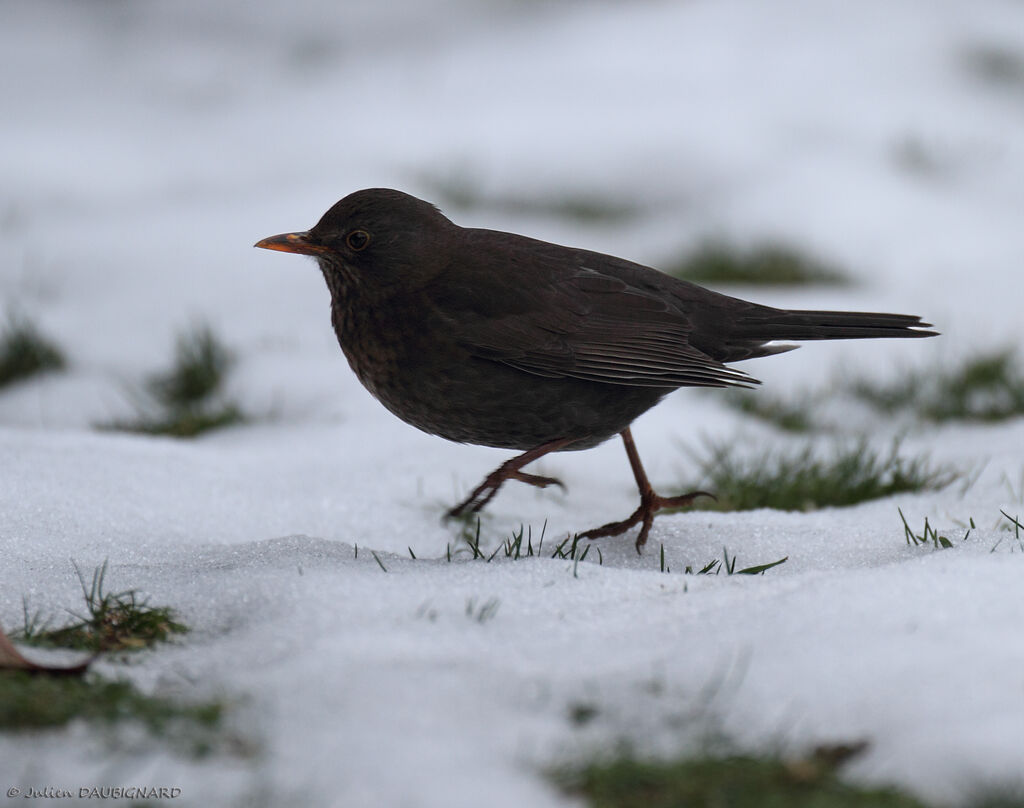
(146,146)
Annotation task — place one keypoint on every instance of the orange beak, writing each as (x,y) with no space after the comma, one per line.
(293,243)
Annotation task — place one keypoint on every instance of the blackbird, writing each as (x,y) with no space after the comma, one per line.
(501,340)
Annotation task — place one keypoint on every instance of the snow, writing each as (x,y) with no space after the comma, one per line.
(147,146)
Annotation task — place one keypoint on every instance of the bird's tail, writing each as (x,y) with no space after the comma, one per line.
(749,336)
(804,325)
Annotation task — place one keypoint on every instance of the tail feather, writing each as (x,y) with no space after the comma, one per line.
(749,336)
(805,325)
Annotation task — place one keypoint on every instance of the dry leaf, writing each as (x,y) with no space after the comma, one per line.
(11,659)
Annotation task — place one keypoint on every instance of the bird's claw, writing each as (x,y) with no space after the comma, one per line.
(537,480)
(650,504)
(509,470)
(485,492)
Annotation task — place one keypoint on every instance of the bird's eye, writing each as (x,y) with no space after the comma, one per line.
(358,240)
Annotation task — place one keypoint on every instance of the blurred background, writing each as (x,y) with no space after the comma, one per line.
(147,145)
(807,155)
(804,154)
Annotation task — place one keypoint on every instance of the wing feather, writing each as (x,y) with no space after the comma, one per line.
(573,320)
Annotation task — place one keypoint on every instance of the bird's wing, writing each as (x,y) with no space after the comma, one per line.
(562,313)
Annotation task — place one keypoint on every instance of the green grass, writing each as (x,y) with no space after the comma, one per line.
(800,480)
(770,264)
(522,545)
(929,536)
(464,194)
(112,621)
(983,388)
(25,352)
(33,702)
(795,415)
(728,565)
(185,423)
(186,400)
(482,612)
(737,781)
(201,363)
(988,387)
(1016,527)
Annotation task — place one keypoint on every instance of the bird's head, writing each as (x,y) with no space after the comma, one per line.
(374,240)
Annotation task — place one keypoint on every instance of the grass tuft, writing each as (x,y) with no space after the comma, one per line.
(462,193)
(988,388)
(1015,527)
(113,621)
(41,702)
(715,566)
(201,363)
(185,400)
(184,424)
(984,388)
(929,535)
(801,481)
(514,548)
(32,702)
(482,612)
(521,544)
(737,781)
(795,415)
(25,352)
(770,264)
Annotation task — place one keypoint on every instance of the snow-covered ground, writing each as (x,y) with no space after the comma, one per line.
(146,146)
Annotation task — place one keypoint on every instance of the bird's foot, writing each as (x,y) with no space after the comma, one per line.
(485,492)
(537,480)
(650,504)
(509,470)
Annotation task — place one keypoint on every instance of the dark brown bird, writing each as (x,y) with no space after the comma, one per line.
(501,340)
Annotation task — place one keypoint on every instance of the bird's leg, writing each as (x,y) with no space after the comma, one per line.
(650,503)
(510,470)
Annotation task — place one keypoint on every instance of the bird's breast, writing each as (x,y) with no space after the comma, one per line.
(417,369)
(408,363)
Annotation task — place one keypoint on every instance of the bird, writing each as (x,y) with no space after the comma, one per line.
(496,339)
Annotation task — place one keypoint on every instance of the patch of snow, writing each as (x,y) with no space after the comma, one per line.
(146,147)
